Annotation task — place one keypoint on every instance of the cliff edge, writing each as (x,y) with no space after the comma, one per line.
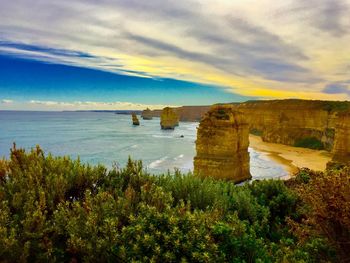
(222,145)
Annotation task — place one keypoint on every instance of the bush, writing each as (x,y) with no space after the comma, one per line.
(256,132)
(327,210)
(54,209)
(309,142)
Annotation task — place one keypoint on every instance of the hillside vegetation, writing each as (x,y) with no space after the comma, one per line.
(54,209)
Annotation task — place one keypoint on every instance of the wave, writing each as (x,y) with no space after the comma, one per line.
(179,157)
(157,163)
(161,136)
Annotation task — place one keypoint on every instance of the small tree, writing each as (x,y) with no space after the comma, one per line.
(327,197)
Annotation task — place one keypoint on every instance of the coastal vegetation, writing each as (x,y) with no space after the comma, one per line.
(55,209)
(309,142)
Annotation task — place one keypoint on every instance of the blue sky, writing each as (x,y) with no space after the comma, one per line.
(34,82)
(82,54)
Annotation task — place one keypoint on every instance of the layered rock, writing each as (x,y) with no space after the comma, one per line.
(169,119)
(290,122)
(222,145)
(147,114)
(186,113)
(135,120)
(293,121)
(341,149)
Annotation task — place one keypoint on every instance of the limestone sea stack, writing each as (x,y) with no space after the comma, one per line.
(135,120)
(341,148)
(169,119)
(147,114)
(222,145)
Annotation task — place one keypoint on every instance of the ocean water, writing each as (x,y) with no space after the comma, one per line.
(109,139)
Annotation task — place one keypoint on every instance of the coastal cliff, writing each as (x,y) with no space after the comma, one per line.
(169,119)
(185,113)
(222,145)
(341,149)
(310,124)
(303,123)
(146,114)
(135,120)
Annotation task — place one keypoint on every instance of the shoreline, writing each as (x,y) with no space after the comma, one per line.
(292,158)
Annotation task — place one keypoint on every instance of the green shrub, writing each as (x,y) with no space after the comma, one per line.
(309,142)
(256,132)
(327,209)
(54,209)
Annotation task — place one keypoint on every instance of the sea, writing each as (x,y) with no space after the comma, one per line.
(110,139)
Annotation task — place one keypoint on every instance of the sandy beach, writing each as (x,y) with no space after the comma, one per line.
(292,157)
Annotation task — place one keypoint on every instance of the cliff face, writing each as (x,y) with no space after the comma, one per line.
(135,120)
(169,119)
(192,113)
(290,122)
(341,149)
(222,145)
(186,113)
(293,122)
(146,114)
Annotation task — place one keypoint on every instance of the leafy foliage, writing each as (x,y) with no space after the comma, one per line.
(309,142)
(54,209)
(327,198)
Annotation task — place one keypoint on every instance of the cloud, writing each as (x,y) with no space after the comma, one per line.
(328,16)
(337,88)
(46,50)
(89,105)
(275,46)
(6,101)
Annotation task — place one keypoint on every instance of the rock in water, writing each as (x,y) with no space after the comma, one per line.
(169,119)
(222,145)
(147,114)
(341,148)
(135,120)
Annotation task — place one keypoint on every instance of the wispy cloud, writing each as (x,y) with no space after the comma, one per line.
(6,101)
(84,105)
(270,48)
(338,88)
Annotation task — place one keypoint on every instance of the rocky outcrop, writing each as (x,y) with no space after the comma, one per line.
(293,122)
(192,113)
(135,120)
(186,113)
(222,145)
(147,114)
(341,149)
(169,119)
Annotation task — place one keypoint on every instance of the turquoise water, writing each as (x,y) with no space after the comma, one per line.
(108,138)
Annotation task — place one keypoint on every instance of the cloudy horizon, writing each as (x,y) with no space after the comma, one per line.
(224,50)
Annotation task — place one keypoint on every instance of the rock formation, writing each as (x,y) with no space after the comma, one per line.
(186,113)
(293,121)
(341,149)
(135,120)
(290,122)
(147,114)
(169,119)
(222,145)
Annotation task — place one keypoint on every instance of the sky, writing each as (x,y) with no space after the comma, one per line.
(122,54)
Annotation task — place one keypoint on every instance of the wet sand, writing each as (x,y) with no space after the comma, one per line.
(291,157)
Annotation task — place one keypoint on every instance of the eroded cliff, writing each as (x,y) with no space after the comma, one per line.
(146,114)
(341,149)
(186,113)
(135,120)
(304,123)
(169,119)
(222,145)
